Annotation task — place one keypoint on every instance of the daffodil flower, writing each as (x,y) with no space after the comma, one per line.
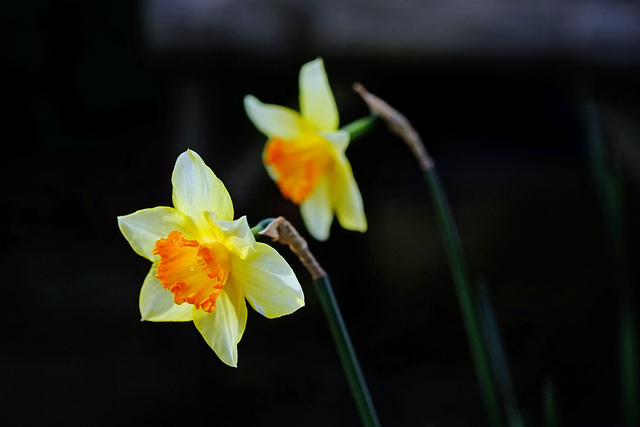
(305,154)
(205,264)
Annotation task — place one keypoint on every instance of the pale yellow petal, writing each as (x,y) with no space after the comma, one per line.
(274,120)
(317,104)
(143,228)
(197,189)
(222,329)
(347,198)
(156,303)
(269,283)
(339,140)
(235,235)
(317,212)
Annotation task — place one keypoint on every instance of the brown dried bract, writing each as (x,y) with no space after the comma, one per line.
(398,124)
(282,231)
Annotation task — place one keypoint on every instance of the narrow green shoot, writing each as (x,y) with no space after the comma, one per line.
(497,357)
(550,408)
(609,189)
(628,342)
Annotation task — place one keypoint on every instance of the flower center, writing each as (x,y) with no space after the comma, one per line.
(194,273)
(298,164)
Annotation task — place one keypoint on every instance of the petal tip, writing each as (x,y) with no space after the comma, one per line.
(193,155)
(318,62)
(232,363)
(251,105)
(317,103)
(319,235)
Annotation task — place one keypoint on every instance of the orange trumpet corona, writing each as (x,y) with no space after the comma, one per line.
(298,164)
(194,273)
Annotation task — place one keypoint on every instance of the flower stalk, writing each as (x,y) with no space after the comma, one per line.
(401,126)
(360,127)
(282,231)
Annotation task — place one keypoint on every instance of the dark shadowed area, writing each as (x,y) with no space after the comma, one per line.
(101,98)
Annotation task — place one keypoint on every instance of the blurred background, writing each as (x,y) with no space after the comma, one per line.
(101,98)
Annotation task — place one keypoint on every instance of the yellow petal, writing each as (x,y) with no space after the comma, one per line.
(348,200)
(317,104)
(197,189)
(269,284)
(274,120)
(339,140)
(156,303)
(317,212)
(222,329)
(235,235)
(143,228)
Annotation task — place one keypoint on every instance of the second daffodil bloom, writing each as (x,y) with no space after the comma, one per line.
(205,264)
(305,154)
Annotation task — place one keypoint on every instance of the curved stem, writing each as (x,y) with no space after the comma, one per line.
(399,125)
(360,127)
(282,231)
(348,358)
(457,264)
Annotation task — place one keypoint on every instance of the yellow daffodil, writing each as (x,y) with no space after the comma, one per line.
(205,264)
(305,154)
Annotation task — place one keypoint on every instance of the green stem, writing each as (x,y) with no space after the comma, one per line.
(453,247)
(401,126)
(358,128)
(261,225)
(347,354)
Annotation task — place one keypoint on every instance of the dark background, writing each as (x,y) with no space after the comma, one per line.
(101,97)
